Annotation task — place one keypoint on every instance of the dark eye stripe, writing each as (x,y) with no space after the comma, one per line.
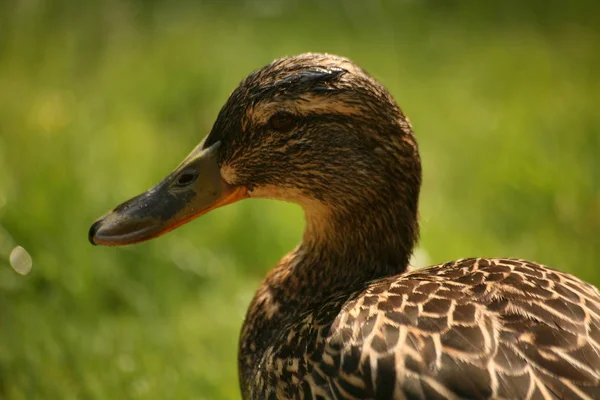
(325,118)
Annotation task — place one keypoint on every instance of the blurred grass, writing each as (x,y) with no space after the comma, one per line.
(99,100)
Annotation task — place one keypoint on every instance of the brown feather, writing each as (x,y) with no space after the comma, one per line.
(342,316)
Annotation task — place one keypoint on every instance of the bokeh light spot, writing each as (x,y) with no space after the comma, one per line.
(20,260)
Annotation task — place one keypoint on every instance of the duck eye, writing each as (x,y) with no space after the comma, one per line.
(186,177)
(281,121)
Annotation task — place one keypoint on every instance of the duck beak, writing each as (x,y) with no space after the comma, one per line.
(193,189)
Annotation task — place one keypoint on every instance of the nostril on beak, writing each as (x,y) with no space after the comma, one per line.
(93,229)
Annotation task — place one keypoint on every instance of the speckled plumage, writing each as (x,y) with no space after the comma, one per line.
(468,329)
(336,321)
(342,316)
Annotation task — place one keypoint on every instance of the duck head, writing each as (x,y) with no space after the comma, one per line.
(313,129)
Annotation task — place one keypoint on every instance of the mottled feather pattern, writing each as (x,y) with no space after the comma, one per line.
(343,316)
(468,329)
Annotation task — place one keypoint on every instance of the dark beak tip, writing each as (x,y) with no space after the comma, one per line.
(93,230)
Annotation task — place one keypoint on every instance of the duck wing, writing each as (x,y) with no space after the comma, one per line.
(468,329)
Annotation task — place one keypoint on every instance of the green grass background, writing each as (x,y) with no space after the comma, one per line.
(100,99)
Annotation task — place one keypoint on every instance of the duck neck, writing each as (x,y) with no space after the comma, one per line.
(343,249)
(340,253)
(356,245)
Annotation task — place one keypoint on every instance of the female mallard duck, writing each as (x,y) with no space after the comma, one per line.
(341,316)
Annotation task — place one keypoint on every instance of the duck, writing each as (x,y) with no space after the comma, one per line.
(343,315)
